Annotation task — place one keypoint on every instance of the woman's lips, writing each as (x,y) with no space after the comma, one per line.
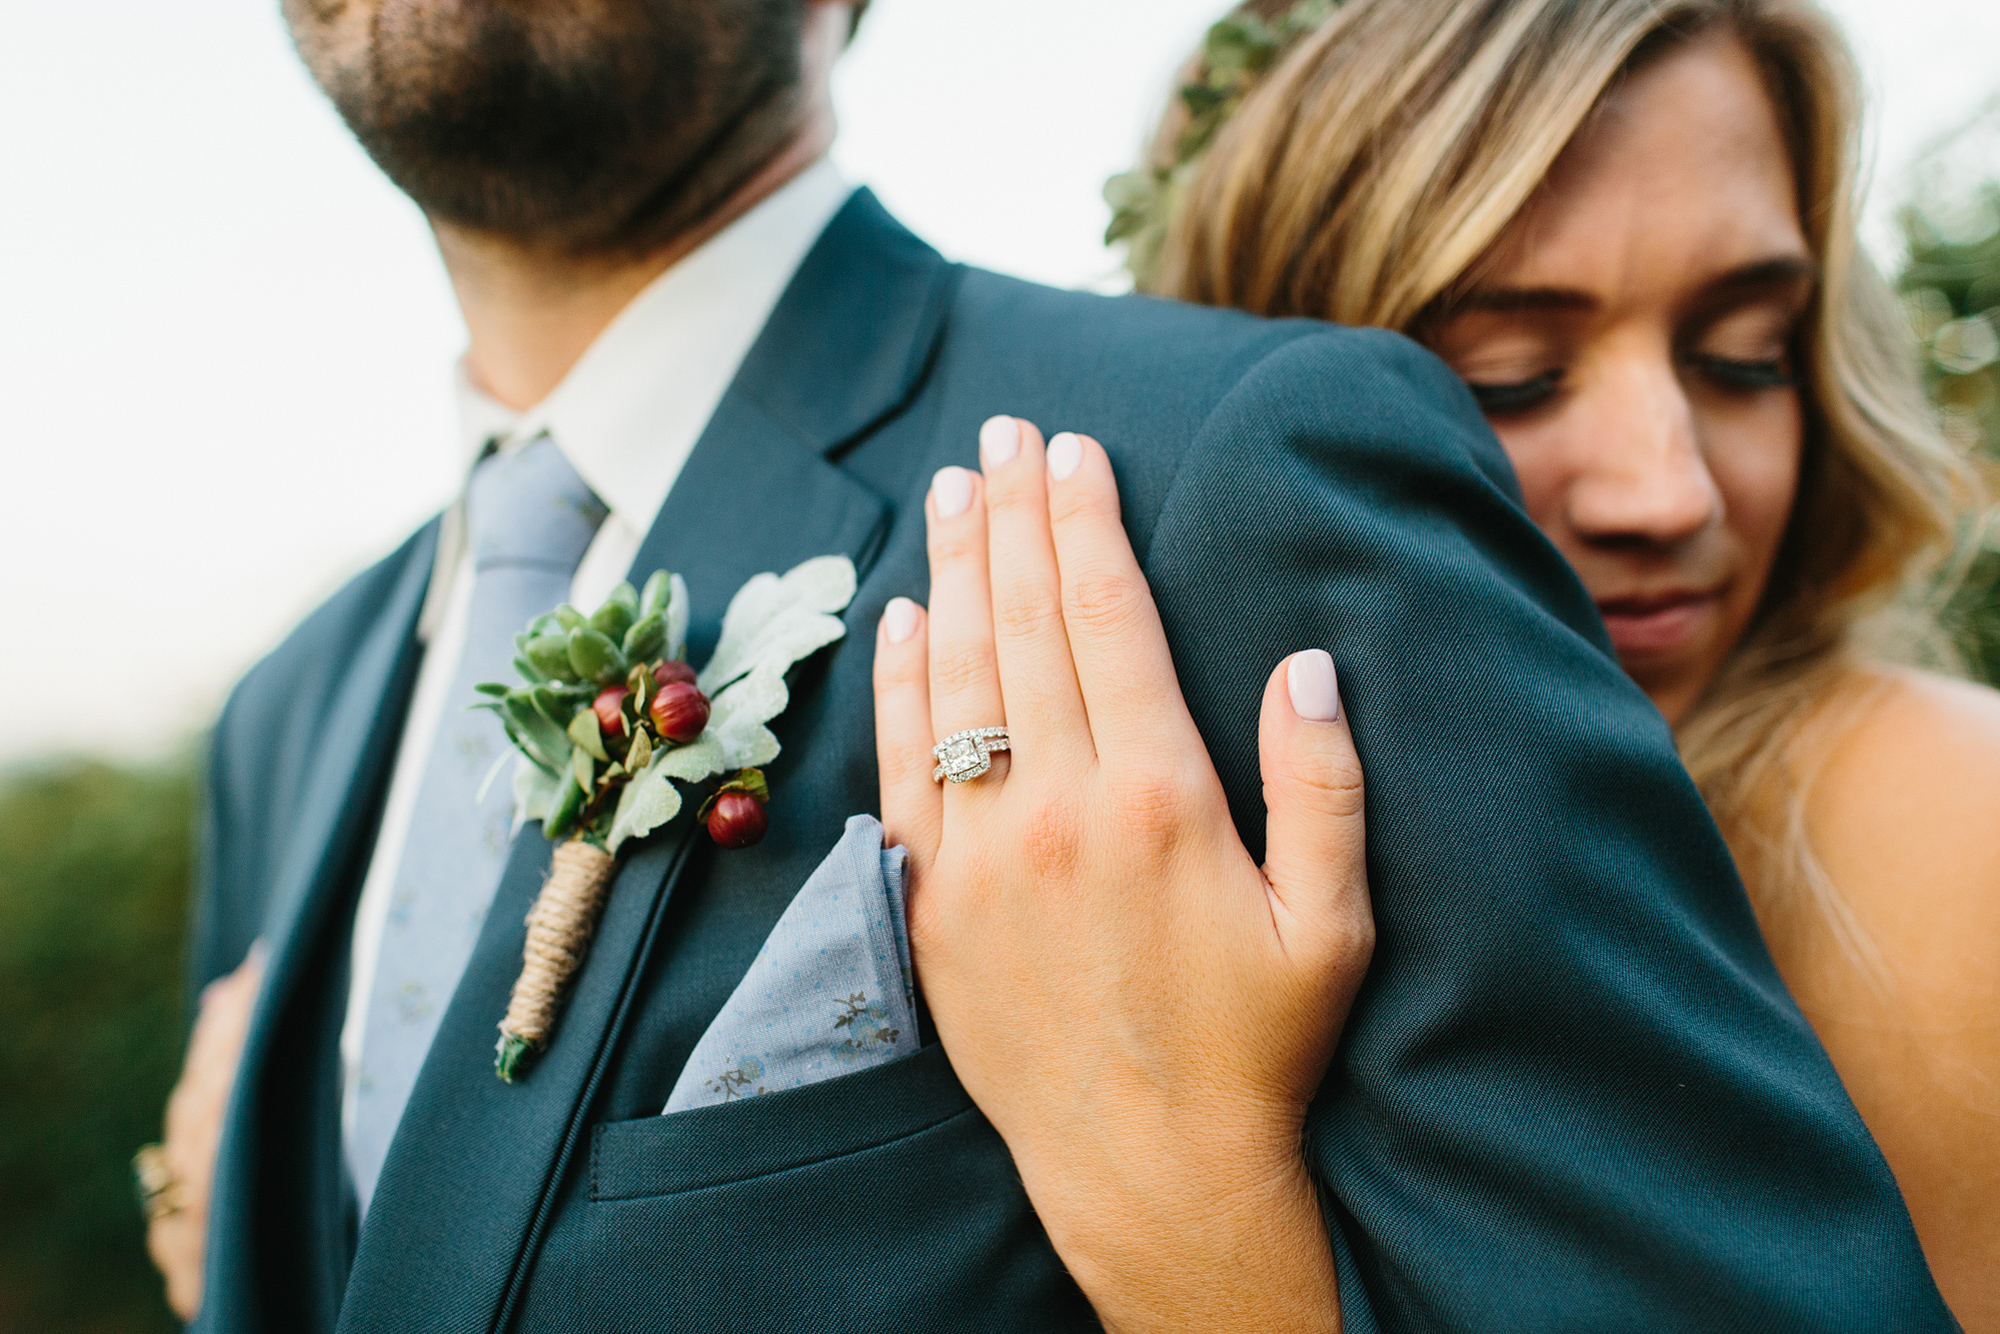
(1659,623)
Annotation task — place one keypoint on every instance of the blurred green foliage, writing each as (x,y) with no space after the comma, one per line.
(1951,288)
(94,876)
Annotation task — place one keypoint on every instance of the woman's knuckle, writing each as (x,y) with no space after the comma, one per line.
(1154,801)
(1361,936)
(1101,601)
(1333,785)
(1026,615)
(1080,505)
(960,667)
(1051,840)
(895,673)
(953,546)
(1006,501)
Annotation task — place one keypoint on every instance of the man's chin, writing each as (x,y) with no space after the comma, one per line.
(582,134)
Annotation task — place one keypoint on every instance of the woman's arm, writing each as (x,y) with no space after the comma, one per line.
(1141,1011)
(1905,819)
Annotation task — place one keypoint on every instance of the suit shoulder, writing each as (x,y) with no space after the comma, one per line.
(1059,324)
(260,752)
(308,662)
(1366,402)
(1176,367)
(999,304)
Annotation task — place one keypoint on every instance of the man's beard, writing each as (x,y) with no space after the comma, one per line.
(585,126)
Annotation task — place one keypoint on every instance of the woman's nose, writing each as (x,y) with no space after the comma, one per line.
(1638,474)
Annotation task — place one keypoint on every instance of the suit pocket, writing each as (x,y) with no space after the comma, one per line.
(880,1202)
(776,1132)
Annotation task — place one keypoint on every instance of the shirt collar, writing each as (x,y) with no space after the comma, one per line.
(630,411)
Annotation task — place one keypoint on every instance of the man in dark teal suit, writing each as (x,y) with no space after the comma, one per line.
(1573,1093)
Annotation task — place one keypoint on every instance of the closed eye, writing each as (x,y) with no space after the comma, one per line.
(1747,376)
(1499,400)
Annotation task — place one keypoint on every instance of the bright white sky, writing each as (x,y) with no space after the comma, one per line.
(225,343)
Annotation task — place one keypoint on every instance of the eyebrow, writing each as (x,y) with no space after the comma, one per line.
(1783,271)
(1507,300)
(1756,276)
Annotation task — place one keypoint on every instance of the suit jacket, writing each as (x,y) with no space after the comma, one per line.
(1573,1093)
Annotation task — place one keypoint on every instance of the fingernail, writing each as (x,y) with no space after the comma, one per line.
(1065,456)
(899,620)
(952,488)
(1314,687)
(999,441)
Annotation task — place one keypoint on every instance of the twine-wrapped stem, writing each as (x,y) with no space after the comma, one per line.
(559,930)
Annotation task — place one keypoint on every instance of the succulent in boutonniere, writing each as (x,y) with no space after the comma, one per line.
(608,717)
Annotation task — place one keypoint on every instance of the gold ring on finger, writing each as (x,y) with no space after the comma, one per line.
(159,1188)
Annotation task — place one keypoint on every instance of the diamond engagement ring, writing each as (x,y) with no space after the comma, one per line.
(963,756)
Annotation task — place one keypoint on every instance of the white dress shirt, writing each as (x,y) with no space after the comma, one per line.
(626,417)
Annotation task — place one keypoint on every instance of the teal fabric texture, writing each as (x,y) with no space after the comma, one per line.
(1573,1094)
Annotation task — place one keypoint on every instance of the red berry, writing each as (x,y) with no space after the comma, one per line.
(670,671)
(610,710)
(679,711)
(737,820)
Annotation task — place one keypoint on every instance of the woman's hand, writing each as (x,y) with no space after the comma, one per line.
(1141,1011)
(177,1238)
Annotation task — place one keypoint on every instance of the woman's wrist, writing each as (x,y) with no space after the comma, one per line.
(1211,1228)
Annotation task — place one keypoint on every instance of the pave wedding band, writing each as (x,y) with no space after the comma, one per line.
(159,1188)
(963,756)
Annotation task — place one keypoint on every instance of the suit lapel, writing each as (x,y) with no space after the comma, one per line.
(469,1178)
(355,738)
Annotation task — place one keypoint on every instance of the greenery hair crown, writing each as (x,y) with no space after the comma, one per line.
(1235,54)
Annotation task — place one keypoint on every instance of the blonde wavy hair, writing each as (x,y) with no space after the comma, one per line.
(1369,172)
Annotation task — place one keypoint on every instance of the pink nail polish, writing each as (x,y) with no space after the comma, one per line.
(1065,456)
(1313,686)
(952,489)
(999,441)
(899,620)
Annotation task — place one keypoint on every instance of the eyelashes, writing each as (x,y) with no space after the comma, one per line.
(1746,375)
(1515,396)
(1498,400)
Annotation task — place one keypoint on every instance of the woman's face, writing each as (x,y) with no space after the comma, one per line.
(1630,340)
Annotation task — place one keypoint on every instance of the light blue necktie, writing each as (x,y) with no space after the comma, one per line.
(529,518)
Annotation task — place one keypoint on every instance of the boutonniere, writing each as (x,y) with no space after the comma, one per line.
(608,717)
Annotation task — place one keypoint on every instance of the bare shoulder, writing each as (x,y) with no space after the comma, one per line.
(1912,746)
(1904,811)
(1904,815)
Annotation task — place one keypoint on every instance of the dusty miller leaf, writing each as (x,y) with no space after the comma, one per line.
(737,716)
(693,762)
(651,799)
(648,801)
(774,621)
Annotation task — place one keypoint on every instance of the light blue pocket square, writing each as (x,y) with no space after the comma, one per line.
(829,993)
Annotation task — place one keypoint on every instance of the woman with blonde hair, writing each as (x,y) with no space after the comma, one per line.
(1629,227)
